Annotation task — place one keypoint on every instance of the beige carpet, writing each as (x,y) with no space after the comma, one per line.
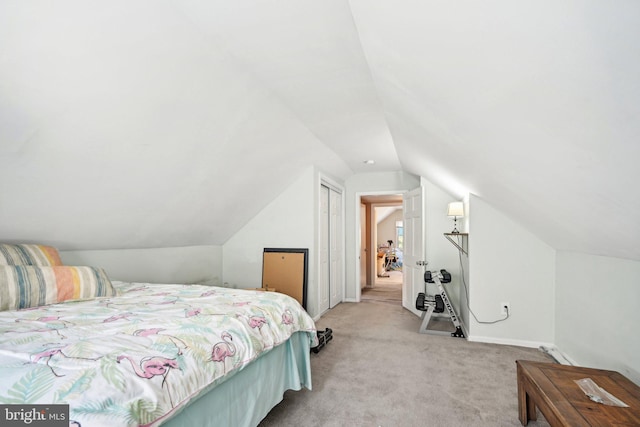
(388,293)
(386,289)
(378,371)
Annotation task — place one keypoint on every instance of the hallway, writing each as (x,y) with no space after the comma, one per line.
(386,289)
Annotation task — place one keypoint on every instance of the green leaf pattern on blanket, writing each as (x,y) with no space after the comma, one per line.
(144,411)
(104,408)
(74,387)
(30,387)
(111,372)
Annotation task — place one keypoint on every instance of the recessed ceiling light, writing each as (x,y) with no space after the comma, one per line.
(369,162)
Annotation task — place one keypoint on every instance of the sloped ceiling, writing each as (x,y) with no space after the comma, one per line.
(533,106)
(171,123)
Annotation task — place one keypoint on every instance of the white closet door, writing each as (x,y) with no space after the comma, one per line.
(336,284)
(323,286)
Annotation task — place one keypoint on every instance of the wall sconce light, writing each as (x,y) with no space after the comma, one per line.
(455,209)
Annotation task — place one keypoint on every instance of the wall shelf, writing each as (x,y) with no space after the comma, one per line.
(461,242)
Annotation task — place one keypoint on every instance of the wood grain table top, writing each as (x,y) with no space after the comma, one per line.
(553,388)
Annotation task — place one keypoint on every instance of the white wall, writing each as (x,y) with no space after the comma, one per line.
(356,185)
(286,222)
(190,264)
(509,264)
(597,313)
(387,229)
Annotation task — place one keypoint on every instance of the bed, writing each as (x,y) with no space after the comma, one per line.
(129,354)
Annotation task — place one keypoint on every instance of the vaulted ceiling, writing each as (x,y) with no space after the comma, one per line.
(170,123)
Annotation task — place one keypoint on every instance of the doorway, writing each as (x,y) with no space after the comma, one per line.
(382,238)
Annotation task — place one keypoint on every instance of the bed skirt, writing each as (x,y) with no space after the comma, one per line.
(247,397)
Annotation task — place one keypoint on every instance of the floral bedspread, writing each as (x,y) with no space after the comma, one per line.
(136,358)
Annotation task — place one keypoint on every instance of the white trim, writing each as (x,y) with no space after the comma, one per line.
(330,183)
(558,355)
(507,341)
(547,348)
(463,326)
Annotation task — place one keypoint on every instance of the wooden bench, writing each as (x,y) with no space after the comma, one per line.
(551,388)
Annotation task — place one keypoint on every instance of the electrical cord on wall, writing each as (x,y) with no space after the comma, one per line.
(466,292)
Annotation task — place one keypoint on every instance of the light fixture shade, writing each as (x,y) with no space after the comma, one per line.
(455,209)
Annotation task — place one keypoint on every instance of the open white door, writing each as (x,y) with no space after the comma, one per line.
(413,204)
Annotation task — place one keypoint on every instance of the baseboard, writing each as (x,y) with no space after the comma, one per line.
(558,355)
(547,348)
(507,341)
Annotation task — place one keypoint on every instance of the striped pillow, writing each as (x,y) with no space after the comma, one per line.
(29,255)
(26,286)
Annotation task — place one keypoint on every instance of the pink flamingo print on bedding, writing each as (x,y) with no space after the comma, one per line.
(152,366)
(223,349)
